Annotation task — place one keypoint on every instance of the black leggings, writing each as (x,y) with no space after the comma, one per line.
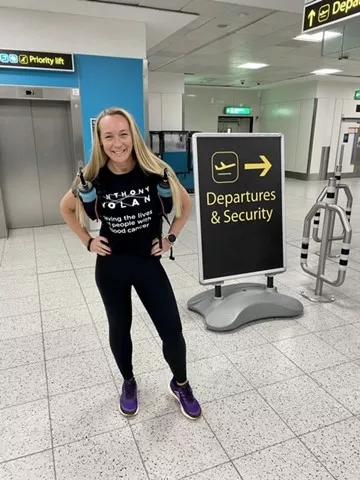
(115,275)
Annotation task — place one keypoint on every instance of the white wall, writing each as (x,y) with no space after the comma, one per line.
(58,32)
(203,105)
(166,101)
(288,109)
(335,101)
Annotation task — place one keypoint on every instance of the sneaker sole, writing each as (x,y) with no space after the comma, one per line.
(128,414)
(181,407)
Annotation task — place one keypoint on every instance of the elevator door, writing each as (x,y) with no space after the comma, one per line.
(36,161)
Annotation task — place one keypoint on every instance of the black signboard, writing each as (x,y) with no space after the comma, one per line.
(239,198)
(323,13)
(36,60)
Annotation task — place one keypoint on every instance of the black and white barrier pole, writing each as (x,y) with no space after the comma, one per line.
(239,192)
(338,186)
(330,209)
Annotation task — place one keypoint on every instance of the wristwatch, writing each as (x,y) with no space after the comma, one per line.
(171,238)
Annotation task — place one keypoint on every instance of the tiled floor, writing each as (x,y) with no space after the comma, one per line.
(281,398)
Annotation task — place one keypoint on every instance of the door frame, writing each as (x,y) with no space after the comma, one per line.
(356,172)
(237,117)
(69,95)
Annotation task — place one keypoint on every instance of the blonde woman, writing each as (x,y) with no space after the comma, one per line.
(126,174)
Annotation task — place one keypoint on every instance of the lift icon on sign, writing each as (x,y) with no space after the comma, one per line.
(225,167)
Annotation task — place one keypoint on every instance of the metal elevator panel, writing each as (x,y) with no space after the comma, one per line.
(36,160)
(19,178)
(51,124)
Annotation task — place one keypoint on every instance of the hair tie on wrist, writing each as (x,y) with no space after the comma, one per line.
(89,243)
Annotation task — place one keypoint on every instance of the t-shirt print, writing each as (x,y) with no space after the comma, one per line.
(128,211)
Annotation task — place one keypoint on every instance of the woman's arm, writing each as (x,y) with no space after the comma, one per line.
(178,223)
(68,211)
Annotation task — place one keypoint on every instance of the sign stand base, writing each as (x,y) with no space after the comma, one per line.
(243,303)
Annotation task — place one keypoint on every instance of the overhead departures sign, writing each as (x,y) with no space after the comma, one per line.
(323,13)
(63,62)
(239,198)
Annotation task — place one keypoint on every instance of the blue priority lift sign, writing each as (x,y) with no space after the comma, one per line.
(239,188)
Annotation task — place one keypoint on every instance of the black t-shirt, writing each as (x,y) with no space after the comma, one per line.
(129,208)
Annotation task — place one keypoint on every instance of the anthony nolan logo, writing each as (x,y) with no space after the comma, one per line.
(127,199)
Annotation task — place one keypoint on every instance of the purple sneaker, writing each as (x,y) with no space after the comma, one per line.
(128,399)
(189,406)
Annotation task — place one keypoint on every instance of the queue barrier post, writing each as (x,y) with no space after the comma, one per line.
(349,202)
(331,210)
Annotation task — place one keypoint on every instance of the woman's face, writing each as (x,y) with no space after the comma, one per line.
(115,137)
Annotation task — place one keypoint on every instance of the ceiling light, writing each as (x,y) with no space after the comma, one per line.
(253,66)
(326,71)
(318,36)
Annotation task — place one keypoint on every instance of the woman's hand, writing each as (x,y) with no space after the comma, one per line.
(100,245)
(156,250)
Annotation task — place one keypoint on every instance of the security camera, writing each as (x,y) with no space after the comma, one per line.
(242,82)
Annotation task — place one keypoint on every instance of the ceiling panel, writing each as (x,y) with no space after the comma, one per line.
(250,30)
(166,4)
(267,37)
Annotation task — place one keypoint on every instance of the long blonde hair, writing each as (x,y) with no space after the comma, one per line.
(147,161)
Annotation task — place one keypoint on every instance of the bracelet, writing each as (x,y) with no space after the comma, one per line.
(89,243)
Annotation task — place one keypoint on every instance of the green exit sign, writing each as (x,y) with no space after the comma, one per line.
(239,111)
(357,95)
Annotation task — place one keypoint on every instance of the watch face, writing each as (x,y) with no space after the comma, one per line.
(171,237)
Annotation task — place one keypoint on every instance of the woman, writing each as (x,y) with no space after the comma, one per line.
(126,174)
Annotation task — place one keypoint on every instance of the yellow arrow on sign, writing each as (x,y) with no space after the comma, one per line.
(265,166)
(311,17)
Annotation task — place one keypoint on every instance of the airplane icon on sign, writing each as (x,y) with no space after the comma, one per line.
(223,166)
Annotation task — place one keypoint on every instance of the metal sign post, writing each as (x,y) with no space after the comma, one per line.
(239,187)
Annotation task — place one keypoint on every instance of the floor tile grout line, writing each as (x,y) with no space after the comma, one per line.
(308,374)
(207,470)
(328,367)
(50,396)
(111,373)
(23,364)
(332,346)
(327,426)
(283,420)
(106,358)
(38,399)
(45,369)
(3,462)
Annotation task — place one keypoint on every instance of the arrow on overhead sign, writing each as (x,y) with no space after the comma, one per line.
(311,17)
(265,166)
